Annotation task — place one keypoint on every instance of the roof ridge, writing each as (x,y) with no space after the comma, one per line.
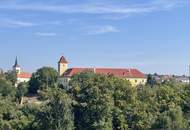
(124,73)
(102,68)
(63,60)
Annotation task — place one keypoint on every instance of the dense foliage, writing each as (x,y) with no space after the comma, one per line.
(44,77)
(10,76)
(93,102)
(56,114)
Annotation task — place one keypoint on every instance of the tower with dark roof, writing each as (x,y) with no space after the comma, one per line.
(62,65)
(16,67)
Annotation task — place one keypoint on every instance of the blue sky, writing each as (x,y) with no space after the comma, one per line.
(151,35)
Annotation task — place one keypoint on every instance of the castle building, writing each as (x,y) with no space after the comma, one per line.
(21,76)
(134,76)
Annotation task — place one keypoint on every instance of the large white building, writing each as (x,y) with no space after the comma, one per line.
(21,76)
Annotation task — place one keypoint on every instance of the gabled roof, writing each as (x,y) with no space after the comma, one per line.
(24,75)
(62,60)
(121,73)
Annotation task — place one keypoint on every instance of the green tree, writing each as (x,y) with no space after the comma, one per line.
(93,101)
(22,90)
(44,77)
(185,95)
(169,114)
(14,117)
(7,112)
(57,113)
(6,89)
(185,102)
(151,80)
(11,76)
(143,112)
(170,119)
(167,96)
(124,96)
(28,116)
(141,117)
(1,74)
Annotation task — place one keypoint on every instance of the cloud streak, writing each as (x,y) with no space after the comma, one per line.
(15,23)
(18,23)
(45,34)
(100,8)
(21,23)
(96,30)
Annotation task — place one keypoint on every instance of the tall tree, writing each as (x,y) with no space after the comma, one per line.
(11,76)
(1,74)
(57,113)
(93,101)
(124,96)
(44,77)
(21,91)
(6,88)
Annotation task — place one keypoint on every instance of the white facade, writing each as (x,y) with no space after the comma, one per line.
(64,82)
(21,80)
(21,76)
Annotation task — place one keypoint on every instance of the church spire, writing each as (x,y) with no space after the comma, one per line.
(16,67)
(16,63)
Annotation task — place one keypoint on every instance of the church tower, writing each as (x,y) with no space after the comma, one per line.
(16,67)
(62,66)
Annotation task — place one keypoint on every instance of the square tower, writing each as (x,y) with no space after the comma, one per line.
(62,66)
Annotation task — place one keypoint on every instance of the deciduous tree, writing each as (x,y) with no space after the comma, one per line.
(57,113)
(44,77)
(93,101)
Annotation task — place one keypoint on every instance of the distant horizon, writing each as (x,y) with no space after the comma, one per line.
(55,67)
(150,35)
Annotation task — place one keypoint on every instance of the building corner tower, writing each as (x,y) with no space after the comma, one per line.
(62,66)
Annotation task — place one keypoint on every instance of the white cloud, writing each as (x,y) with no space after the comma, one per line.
(20,23)
(100,8)
(15,23)
(95,30)
(12,23)
(45,34)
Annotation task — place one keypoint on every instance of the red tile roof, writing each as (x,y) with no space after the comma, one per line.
(122,73)
(24,75)
(63,60)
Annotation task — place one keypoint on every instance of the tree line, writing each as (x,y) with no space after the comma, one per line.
(92,102)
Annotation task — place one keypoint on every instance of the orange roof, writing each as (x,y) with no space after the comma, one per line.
(122,73)
(24,75)
(63,60)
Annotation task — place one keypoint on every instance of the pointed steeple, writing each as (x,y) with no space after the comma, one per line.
(62,65)
(63,60)
(16,67)
(16,63)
